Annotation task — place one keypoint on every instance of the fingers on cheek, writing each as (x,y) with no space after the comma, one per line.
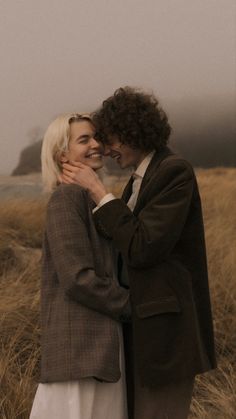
(68,175)
(67,172)
(67,179)
(72,179)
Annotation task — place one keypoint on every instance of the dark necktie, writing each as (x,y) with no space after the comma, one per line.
(121,267)
(128,189)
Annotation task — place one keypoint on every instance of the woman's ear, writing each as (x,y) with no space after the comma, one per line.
(63,158)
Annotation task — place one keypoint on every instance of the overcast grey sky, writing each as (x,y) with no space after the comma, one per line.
(69,55)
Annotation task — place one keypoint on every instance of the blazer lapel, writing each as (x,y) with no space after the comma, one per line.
(151,169)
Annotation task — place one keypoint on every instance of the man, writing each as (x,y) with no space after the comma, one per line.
(157,227)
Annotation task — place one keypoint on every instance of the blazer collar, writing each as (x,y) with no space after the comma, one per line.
(152,167)
(154,164)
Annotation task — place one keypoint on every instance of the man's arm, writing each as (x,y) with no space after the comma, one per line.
(149,237)
(145,239)
(71,253)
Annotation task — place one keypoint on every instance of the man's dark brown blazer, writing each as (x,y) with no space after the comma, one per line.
(81,302)
(162,243)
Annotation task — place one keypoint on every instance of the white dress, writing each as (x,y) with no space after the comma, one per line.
(86,398)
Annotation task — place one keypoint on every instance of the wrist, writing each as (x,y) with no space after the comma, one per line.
(98,193)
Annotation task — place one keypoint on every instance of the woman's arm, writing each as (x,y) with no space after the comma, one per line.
(72,256)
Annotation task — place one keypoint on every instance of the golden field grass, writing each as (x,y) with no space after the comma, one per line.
(21,225)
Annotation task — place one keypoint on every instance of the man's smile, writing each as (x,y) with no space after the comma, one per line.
(116,156)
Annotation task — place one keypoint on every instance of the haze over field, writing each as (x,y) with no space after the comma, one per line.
(58,56)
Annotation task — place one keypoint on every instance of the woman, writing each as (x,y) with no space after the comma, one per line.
(82,304)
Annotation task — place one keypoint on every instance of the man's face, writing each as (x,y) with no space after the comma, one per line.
(124,155)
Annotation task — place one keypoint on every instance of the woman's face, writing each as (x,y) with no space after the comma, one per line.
(82,145)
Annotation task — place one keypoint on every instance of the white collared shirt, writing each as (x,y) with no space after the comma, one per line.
(138,177)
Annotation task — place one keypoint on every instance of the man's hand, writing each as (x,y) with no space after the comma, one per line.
(86,177)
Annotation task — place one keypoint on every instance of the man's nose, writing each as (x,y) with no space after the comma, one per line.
(107,150)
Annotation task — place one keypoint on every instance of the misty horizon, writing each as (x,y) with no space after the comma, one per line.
(63,59)
(205,136)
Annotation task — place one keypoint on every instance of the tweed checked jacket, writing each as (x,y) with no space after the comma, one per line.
(81,302)
(162,243)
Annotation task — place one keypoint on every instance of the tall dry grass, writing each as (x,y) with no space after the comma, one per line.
(20,249)
(216,392)
(21,225)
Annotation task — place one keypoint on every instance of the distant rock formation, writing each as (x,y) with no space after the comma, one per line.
(209,144)
(29,160)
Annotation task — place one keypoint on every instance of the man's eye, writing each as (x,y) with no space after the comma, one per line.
(97,136)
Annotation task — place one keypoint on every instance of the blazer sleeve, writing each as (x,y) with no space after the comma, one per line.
(71,254)
(147,238)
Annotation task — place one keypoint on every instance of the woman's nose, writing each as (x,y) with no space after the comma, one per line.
(94,142)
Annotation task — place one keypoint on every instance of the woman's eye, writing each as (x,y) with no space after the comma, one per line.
(83,141)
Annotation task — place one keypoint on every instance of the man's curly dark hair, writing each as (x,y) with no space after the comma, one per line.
(135,118)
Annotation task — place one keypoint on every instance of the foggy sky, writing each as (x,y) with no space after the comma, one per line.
(59,56)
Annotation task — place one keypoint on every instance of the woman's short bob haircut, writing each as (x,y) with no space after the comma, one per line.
(55,142)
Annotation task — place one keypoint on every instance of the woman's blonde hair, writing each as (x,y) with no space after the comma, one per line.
(55,142)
